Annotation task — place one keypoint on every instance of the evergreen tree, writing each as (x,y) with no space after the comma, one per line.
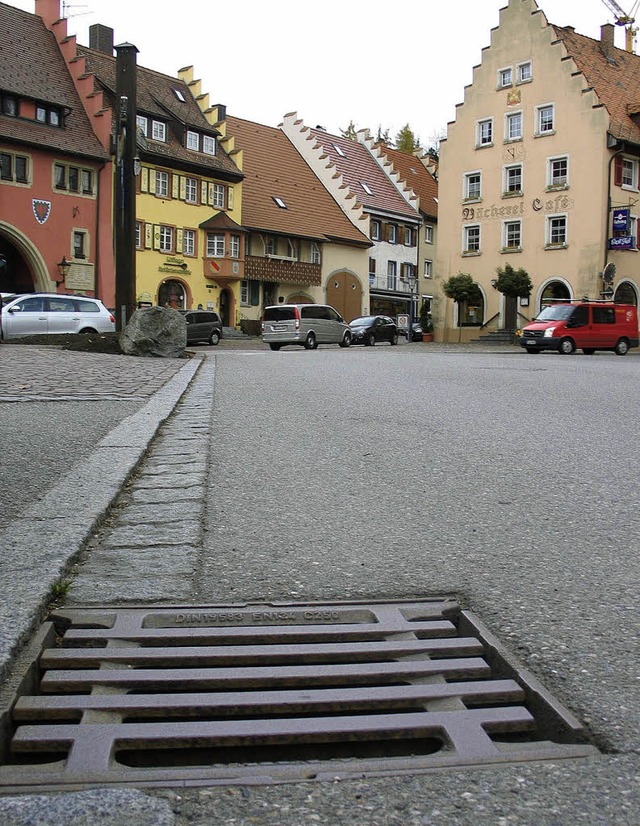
(406,141)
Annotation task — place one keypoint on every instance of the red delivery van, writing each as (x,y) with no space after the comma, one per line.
(586,325)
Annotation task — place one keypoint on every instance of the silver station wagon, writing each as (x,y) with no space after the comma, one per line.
(37,313)
(307,325)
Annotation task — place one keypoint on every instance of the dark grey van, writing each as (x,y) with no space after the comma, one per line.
(202,325)
(305,324)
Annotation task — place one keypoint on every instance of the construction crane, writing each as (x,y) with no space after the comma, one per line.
(624,19)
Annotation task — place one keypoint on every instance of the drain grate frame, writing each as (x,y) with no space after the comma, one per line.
(266,693)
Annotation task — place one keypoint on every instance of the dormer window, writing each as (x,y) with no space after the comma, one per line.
(208,145)
(366,188)
(143,124)
(279,202)
(193,141)
(9,106)
(48,114)
(159,131)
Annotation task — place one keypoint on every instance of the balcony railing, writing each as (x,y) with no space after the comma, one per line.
(282,270)
(391,283)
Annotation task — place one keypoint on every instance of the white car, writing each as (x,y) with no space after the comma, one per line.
(38,313)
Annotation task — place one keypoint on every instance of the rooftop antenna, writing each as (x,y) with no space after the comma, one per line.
(66,6)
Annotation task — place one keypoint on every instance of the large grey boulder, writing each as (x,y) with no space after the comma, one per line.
(155,331)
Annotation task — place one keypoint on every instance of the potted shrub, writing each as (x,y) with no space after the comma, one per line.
(426,322)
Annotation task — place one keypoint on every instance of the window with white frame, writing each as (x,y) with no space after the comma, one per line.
(524,72)
(428,234)
(138,235)
(629,173)
(193,140)
(512,235)
(428,269)
(512,183)
(208,145)
(484,132)
(271,247)
(545,119)
(189,242)
(376,231)
(472,186)
(558,172)
(244,293)
(505,77)
(556,231)
(409,236)
(392,233)
(392,273)
(513,126)
(162,184)
(166,239)
(219,196)
(215,245)
(291,249)
(143,124)
(471,238)
(234,246)
(159,131)
(315,253)
(191,190)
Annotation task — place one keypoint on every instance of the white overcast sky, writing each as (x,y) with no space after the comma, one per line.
(376,63)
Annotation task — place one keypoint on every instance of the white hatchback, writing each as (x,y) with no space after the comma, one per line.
(32,314)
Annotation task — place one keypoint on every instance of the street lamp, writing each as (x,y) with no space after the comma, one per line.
(63,268)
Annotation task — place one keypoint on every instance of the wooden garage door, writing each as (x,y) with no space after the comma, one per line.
(344,292)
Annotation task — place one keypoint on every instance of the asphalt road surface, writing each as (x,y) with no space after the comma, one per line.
(509,480)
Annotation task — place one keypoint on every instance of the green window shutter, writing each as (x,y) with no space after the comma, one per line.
(254,293)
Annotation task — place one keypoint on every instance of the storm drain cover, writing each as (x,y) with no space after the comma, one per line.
(271,693)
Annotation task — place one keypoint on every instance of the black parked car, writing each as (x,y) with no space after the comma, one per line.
(371,328)
(202,325)
(416,332)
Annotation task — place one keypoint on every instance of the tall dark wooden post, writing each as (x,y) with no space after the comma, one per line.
(124,207)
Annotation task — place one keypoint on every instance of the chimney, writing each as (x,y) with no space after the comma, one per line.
(606,40)
(101,38)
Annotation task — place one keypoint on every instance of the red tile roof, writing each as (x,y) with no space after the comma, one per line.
(157,98)
(274,169)
(32,67)
(616,83)
(416,176)
(354,162)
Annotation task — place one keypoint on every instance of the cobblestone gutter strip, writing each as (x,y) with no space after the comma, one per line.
(36,550)
(149,547)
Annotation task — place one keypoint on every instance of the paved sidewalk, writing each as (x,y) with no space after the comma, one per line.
(39,545)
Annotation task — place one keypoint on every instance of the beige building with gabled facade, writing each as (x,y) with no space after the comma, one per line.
(543,151)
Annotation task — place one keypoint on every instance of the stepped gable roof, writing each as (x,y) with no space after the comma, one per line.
(354,162)
(274,169)
(156,93)
(417,177)
(32,67)
(616,82)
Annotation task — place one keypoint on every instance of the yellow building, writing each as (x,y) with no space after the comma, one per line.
(189,241)
(543,150)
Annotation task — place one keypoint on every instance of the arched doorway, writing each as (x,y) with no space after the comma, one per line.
(626,294)
(225,307)
(344,292)
(25,270)
(555,290)
(172,293)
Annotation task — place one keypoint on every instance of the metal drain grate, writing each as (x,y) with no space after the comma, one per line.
(268,693)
